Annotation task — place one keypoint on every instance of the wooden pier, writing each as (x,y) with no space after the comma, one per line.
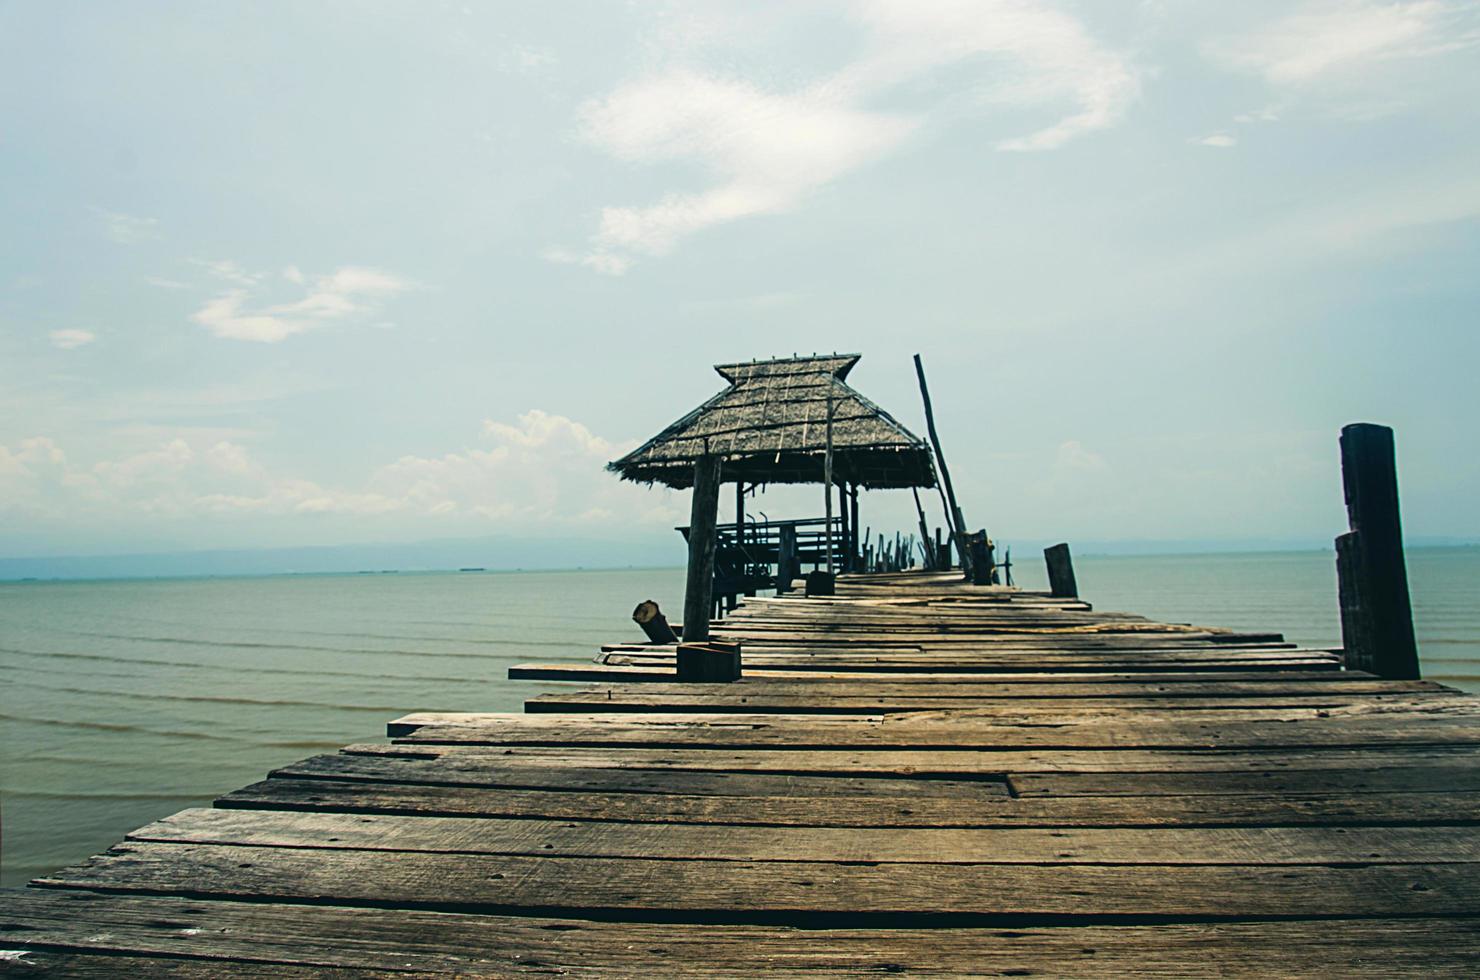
(915,775)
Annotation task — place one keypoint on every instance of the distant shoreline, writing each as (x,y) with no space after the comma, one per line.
(39,573)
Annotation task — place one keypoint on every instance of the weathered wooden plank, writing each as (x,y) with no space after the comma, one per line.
(1282,810)
(934,763)
(619,700)
(572,839)
(663,672)
(1310,731)
(1343,783)
(1038,713)
(324,937)
(822,690)
(794,893)
(477,772)
(58,963)
(925,666)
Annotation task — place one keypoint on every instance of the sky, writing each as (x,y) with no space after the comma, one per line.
(293,274)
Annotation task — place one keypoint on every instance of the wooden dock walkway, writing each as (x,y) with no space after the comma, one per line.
(913,776)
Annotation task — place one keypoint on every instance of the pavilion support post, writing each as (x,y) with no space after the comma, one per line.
(1061,584)
(703,515)
(1376,611)
(740,513)
(820,582)
(853,544)
(846,565)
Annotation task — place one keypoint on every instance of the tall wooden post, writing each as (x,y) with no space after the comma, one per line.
(703,515)
(953,512)
(1061,584)
(1376,612)
(853,554)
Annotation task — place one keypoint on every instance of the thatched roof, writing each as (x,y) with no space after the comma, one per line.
(770,426)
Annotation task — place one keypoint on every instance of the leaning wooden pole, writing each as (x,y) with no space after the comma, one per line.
(1376,612)
(703,515)
(953,512)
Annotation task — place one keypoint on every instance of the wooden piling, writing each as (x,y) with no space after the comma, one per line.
(1372,573)
(1061,582)
(653,622)
(703,515)
(788,566)
(712,662)
(981,558)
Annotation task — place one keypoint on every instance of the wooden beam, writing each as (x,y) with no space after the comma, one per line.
(1374,586)
(703,513)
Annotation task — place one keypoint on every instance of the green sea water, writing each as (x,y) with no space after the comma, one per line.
(124,701)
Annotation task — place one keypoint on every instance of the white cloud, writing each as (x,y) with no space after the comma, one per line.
(768,151)
(1221,140)
(539,470)
(347,293)
(1337,35)
(1073,457)
(229,271)
(163,283)
(765,147)
(1267,114)
(72,339)
(128,229)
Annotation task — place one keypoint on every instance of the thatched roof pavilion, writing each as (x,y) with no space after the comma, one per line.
(770,426)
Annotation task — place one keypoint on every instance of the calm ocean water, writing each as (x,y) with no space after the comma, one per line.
(124,701)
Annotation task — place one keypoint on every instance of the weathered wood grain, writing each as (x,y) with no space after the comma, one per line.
(1274,809)
(305,937)
(476,772)
(796,893)
(556,838)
